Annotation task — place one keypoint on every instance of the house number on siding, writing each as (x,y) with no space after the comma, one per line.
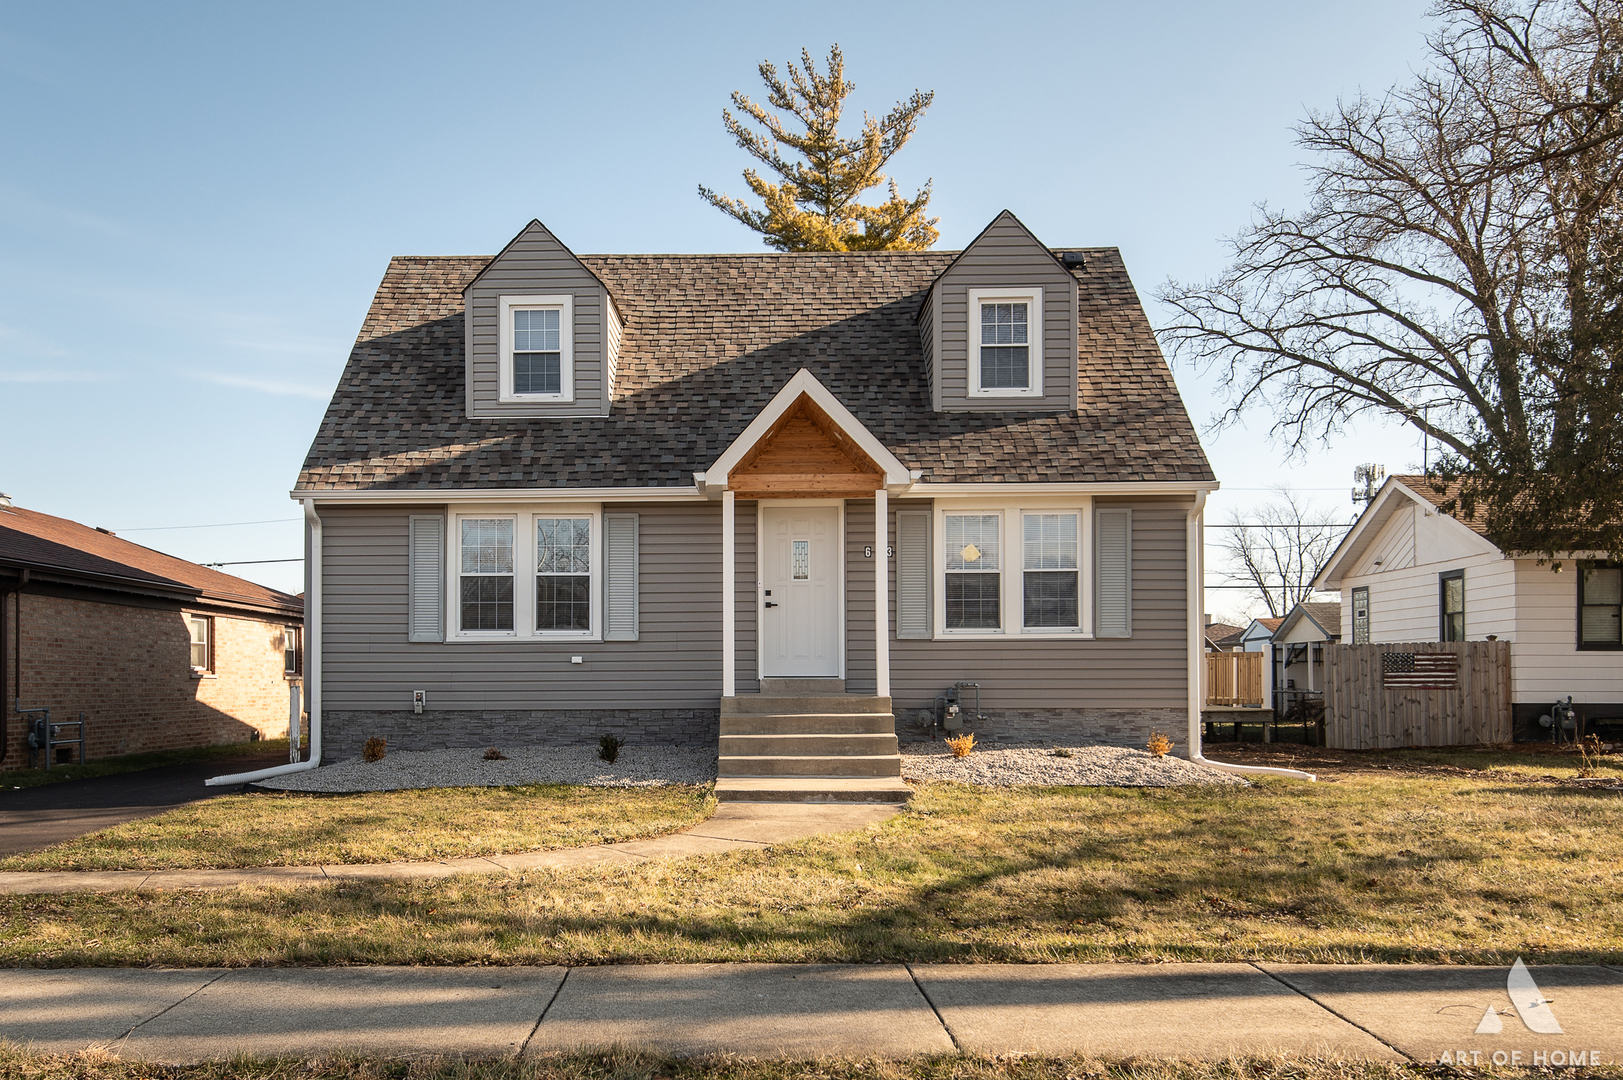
(890,551)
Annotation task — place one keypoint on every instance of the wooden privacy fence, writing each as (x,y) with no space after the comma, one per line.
(1416,694)
(1234,678)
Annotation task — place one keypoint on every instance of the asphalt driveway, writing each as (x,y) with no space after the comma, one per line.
(38,817)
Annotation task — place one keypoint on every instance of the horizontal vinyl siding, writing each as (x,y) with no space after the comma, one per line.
(368,663)
(1403,603)
(1145,671)
(1005,256)
(536,264)
(860,673)
(1545,662)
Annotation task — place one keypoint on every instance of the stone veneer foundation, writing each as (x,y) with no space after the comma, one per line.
(343,733)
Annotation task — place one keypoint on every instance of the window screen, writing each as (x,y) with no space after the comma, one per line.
(1051,587)
(1005,346)
(973,582)
(563,569)
(537,351)
(486,591)
(1600,607)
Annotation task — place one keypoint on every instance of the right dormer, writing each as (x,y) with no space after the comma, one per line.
(999,326)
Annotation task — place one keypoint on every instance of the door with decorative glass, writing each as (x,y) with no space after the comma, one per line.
(801,591)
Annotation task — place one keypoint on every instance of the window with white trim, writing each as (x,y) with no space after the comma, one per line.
(292,662)
(563,574)
(201,628)
(974,580)
(1051,588)
(485,582)
(1005,342)
(537,348)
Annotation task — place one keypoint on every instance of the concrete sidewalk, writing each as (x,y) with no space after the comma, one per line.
(733,827)
(1202,1011)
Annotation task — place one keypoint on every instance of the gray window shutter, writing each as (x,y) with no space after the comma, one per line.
(620,566)
(1113,542)
(913,574)
(426,578)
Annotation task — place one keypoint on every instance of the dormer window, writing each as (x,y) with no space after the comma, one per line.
(1005,342)
(537,355)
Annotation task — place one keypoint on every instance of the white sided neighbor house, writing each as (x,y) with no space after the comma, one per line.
(1410,573)
(775,503)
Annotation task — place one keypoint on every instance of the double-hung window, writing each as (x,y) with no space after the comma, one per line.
(201,628)
(1052,587)
(537,348)
(1005,343)
(1600,607)
(974,579)
(485,586)
(563,574)
(1451,605)
(291,660)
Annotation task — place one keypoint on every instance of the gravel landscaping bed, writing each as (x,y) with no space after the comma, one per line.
(1013,764)
(637,766)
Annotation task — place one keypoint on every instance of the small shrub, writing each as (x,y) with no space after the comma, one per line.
(374,749)
(608,748)
(1159,744)
(1589,751)
(1062,752)
(961,745)
(494,754)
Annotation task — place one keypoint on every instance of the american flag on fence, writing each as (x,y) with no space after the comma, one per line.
(1420,671)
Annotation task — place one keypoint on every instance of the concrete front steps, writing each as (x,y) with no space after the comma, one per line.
(803,742)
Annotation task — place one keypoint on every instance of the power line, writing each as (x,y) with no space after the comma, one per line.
(219,525)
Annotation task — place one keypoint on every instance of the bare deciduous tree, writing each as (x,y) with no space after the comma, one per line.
(1278,548)
(1459,266)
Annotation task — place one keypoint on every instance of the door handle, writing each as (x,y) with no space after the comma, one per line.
(769,603)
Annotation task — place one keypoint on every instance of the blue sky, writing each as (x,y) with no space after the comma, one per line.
(197,201)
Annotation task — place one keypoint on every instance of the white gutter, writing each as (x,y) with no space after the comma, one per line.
(312,667)
(1196,566)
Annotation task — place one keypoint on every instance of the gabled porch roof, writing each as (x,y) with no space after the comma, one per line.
(805,443)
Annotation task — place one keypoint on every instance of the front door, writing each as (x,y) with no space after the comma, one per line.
(802,586)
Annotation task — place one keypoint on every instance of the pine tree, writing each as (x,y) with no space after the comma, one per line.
(814,207)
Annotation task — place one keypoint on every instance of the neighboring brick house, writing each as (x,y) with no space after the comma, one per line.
(796,503)
(157,652)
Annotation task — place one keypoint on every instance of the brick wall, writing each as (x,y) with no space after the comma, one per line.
(128,669)
(343,733)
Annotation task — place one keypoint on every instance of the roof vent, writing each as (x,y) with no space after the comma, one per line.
(109,532)
(1073,260)
(5,500)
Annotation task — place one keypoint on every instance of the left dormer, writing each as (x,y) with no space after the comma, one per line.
(543,333)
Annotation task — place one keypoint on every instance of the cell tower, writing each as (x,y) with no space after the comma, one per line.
(1370,476)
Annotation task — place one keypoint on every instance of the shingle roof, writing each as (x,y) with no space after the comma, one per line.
(1327,613)
(708,340)
(1437,492)
(66,549)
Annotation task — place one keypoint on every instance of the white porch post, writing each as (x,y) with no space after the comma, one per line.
(881,591)
(729,598)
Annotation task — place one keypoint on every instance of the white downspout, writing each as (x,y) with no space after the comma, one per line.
(312,666)
(881,589)
(729,596)
(1196,564)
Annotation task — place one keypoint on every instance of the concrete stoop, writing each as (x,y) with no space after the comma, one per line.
(793,745)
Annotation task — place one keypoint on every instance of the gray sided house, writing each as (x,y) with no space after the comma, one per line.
(557,496)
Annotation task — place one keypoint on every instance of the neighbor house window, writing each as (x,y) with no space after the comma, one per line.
(1005,343)
(973,593)
(537,361)
(1051,587)
(202,632)
(486,581)
(1451,602)
(291,664)
(1600,607)
(1360,604)
(563,574)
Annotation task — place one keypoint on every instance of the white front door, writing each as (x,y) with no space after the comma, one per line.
(802,586)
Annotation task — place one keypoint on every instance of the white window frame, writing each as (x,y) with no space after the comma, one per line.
(208,642)
(564,304)
(1033,297)
(524,573)
(1011,538)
